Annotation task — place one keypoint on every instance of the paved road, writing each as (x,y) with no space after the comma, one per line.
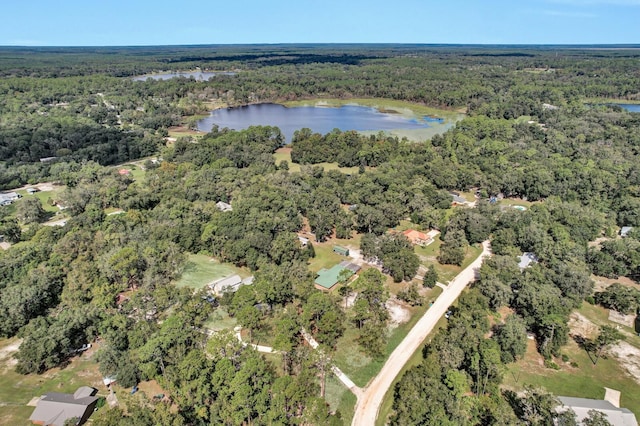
(370,400)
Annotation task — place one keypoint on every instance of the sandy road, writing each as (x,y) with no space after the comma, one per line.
(370,400)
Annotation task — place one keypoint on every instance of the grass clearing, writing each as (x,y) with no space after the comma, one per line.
(220,320)
(446,272)
(200,270)
(360,367)
(17,390)
(584,381)
(340,399)
(284,154)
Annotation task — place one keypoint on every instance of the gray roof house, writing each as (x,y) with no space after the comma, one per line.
(55,408)
(581,406)
(224,207)
(624,231)
(526,259)
(229,284)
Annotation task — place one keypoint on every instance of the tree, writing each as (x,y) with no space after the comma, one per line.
(596,418)
(430,277)
(512,338)
(452,250)
(29,210)
(536,407)
(607,336)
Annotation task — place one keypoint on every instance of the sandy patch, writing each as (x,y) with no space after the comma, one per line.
(5,246)
(580,325)
(6,354)
(398,313)
(34,401)
(629,358)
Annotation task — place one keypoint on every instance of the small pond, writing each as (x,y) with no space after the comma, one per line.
(324,119)
(629,107)
(198,75)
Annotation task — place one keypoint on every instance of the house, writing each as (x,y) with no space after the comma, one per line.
(32,190)
(526,259)
(303,241)
(229,284)
(420,238)
(224,207)
(624,231)
(56,408)
(609,406)
(9,197)
(341,250)
(457,199)
(327,278)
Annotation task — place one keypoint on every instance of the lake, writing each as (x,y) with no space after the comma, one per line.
(198,75)
(324,119)
(629,107)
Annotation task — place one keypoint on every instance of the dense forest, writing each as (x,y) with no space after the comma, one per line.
(536,128)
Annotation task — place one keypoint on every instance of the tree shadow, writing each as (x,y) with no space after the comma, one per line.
(586,344)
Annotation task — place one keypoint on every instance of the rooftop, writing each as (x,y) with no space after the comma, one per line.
(581,406)
(327,278)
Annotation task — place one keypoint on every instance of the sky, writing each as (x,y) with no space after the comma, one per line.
(179,22)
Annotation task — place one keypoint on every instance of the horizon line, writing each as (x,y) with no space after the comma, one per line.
(506,45)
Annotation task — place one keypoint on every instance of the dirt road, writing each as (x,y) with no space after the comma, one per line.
(369,403)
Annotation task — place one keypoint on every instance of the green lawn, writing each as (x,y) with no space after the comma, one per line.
(585,381)
(17,390)
(220,320)
(340,399)
(361,368)
(325,257)
(285,155)
(44,197)
(200,270)
(447,272)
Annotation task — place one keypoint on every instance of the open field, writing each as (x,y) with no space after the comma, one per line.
(200,270)
(220,320)
(340,399)
(446,273)
(17,390)
(284,154)
(583,378)
(361,368)
(386,407)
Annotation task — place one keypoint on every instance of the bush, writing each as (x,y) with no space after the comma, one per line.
(550,364)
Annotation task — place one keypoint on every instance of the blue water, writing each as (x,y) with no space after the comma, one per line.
(629,107)
(318,119)
(198,75)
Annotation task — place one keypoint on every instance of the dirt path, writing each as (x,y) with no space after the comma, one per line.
(370,400)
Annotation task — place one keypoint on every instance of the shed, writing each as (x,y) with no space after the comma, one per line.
(56,408)
(624,231)
(341,250)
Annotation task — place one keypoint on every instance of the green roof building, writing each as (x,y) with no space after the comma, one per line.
(327,278)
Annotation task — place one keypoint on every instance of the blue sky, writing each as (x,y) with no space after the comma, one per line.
(145,22)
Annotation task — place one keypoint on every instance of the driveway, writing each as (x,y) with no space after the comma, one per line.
(370,400)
